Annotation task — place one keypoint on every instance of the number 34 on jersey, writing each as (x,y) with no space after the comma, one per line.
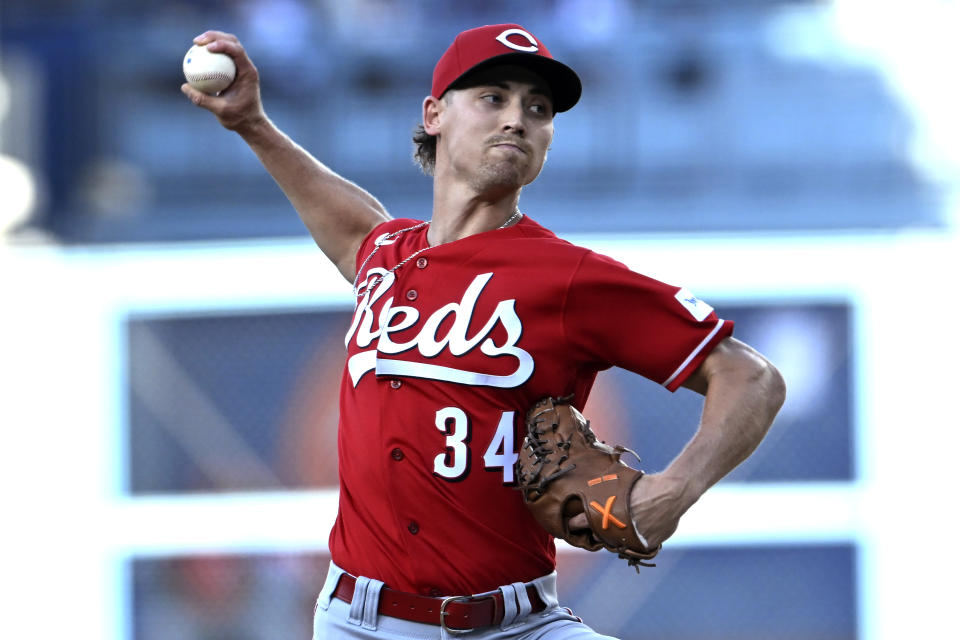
(453,461)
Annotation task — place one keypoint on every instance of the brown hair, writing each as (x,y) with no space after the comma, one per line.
(425,151)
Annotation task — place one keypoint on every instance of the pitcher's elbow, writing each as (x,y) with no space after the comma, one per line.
(775,387)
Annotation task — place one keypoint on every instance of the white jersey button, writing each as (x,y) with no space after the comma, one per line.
(421,263)
(412,294)
(395,384)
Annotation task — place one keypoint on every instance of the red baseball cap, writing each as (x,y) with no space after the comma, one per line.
(486,46)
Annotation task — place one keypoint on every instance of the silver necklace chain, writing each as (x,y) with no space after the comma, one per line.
(514,217)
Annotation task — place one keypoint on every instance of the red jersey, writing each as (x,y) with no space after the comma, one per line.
(444,356)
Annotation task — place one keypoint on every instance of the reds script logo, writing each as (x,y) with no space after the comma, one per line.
(394,318)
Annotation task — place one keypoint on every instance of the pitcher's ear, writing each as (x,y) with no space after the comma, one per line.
(432,108)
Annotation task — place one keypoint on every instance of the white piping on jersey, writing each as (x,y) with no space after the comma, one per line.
(694,353)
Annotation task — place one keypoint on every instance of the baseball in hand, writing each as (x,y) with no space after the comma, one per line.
(208,72)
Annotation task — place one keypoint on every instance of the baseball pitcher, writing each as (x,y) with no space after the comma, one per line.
(475,340)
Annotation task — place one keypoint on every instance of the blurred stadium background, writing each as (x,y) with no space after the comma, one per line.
(170,339)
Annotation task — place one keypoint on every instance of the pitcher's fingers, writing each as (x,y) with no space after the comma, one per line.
(210,35)
(236,51)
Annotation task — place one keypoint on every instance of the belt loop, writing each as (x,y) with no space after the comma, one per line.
(359,599)
(523,600)
(510,609)
(371,602)
(326,593)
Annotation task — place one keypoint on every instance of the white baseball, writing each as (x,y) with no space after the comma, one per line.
(208,72)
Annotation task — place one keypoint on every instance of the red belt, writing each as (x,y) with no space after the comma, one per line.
(454,613)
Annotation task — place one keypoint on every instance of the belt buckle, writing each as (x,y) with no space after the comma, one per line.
(444,614)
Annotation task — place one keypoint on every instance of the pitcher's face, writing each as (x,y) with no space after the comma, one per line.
(495,130)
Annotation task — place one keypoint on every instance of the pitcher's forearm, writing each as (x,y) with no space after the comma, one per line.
(740,405)
(337,212)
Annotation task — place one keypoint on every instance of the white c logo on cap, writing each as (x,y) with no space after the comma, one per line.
(502,38)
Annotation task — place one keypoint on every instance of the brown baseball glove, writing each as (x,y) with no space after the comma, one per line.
(563,470)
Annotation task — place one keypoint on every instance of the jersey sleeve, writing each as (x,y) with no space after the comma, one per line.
(616,317)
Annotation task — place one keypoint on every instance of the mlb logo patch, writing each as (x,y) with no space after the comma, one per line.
(697,307)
